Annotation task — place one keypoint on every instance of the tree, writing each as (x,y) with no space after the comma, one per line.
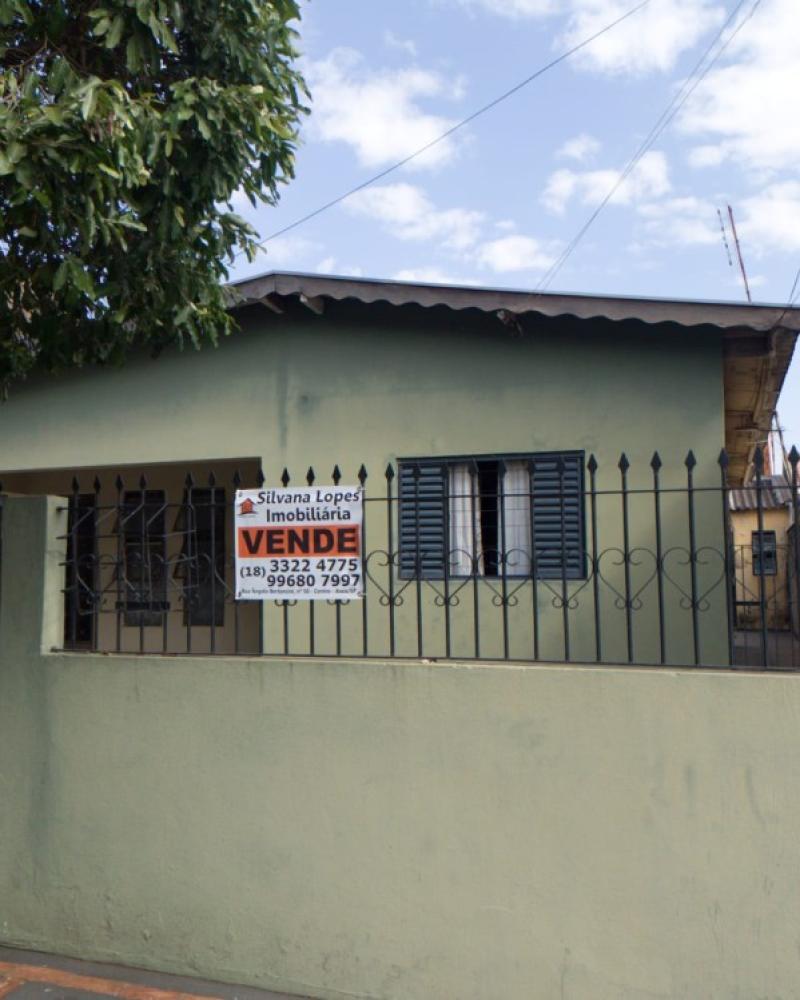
(126,126)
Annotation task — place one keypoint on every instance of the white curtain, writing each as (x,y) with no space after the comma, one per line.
(465,524)
(516,529)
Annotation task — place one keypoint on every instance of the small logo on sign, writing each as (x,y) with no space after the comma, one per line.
(247,507)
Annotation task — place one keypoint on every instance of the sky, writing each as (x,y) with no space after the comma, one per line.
(498,202)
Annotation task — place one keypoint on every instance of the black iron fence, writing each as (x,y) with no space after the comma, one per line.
(517,557)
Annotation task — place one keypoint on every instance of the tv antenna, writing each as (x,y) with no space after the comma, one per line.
(739,255)
(724,238)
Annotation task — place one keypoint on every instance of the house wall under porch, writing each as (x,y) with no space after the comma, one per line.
(353,387)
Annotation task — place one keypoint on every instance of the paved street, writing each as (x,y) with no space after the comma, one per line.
(27,975)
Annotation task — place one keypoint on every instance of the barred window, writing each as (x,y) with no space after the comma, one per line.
(81,569)
(201,567)
(765,553)
(144,557)
(514,515)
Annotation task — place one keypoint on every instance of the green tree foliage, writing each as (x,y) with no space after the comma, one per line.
(125,128)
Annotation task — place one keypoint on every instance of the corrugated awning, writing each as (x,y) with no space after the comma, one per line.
(725,315)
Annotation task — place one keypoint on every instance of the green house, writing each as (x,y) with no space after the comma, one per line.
(505,441)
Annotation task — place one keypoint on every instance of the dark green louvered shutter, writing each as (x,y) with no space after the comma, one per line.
(423,519)
(558,537)
(558,534)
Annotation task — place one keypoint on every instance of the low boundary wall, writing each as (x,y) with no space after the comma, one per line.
(393,830)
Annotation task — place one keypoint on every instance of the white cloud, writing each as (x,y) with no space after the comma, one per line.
(378,113)
(407,212)
(431,275)
(516,8)
(767,222)
(682,221)
(749,105)
(706,156)
(515,253)
(331,265)
(406,45)
(286,250)
(583,147)
(649,179)
(650,40)
(770,220)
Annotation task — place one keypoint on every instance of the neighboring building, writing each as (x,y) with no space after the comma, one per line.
(762,552)
(506,526)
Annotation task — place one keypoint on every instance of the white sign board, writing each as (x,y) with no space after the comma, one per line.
(299,543)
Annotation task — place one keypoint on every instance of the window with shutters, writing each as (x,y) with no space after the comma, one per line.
(513,515)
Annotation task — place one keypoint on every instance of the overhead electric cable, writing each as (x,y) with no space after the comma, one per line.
(794,294)
(691,83)
(453,128)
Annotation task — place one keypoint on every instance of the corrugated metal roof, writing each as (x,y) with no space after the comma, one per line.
(775,493)
(726,315)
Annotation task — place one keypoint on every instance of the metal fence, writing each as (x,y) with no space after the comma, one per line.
(649,575)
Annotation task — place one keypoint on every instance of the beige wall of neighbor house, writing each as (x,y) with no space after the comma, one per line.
(744,523)
(392,830)
(372,386)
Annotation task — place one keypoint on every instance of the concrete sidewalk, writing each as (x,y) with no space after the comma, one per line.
(30,975)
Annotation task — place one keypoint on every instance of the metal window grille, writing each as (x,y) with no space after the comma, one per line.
(765,553)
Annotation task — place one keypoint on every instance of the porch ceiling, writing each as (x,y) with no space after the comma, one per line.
(758,339)
(755,366)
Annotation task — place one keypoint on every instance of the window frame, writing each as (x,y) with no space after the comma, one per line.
(448,461)
(757,539)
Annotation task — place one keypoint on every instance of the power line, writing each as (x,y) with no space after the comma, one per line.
(691,83)
(453,128)
(790,302)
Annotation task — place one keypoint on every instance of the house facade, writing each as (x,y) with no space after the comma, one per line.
(542,483)
(505,442)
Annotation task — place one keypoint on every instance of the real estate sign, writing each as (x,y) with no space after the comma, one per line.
(303,544)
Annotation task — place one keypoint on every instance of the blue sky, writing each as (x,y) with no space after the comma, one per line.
(498,202)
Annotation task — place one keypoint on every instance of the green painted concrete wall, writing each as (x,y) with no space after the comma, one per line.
(368,386)
(319,390)
(381,830)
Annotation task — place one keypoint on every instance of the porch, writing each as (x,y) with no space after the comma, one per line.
(524,557)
